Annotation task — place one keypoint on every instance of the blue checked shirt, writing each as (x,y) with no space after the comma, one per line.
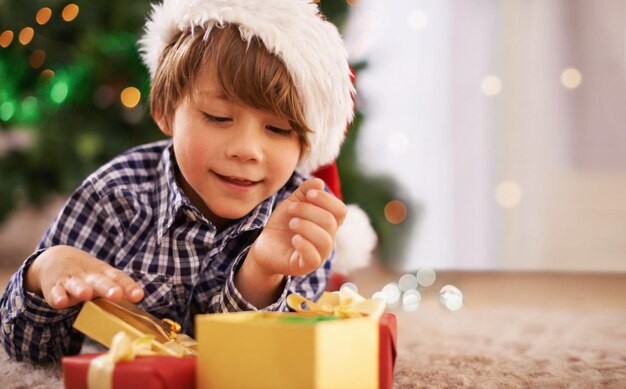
(132,214)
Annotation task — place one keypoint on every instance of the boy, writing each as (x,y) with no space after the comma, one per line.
(254,95)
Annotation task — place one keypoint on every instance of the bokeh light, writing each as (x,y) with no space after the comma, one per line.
(508,194)
(398,142)
(418,19)
(7,110)
(26,35)
(395,212)
(392,292)
(130,97)
(407,282)
(411,300)
(6,38)
(70,12)
(491,85)
(571,78)
(47,74)
(43,15)
(426,276)
(37,58)
(59,91)
(30,108)
(353,3)
(350,285)
(451,297)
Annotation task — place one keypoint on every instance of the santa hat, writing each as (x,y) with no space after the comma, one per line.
(294,30)
(315,57)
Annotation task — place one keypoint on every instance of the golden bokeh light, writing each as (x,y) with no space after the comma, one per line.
(353,3)
(508,194)
(70,12)
(6,38)
(26,35)
(43,15)
(571,78)
(47,74)
(491,85)
(130,97)
(37,58)
(395,212)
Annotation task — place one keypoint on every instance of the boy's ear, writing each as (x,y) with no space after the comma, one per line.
(162,123)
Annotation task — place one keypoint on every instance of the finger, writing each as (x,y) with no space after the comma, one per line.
(311,184)
(307,259)
(131,290)
(77,288)
(58,297)
(329,202)
(314,214)
(321,240)
(104,287)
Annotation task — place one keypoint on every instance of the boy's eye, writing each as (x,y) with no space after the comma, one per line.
(216,119)
(281,131)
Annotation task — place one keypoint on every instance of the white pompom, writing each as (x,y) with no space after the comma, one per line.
(356,240)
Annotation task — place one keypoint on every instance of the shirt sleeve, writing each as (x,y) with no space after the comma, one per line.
(310,286)
(31,329)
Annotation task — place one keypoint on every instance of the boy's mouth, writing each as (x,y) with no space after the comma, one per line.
(236,180)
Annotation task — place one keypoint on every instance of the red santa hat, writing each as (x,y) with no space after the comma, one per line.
(314,54)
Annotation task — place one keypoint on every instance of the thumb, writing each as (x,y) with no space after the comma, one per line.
(300,193)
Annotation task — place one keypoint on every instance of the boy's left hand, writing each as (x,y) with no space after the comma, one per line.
(300,233)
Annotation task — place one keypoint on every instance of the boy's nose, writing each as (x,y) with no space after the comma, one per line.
(246,145)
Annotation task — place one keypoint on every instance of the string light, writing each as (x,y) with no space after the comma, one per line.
(395,212)
(70,12)
(491,85)
(37,58)
(6,38)
(26,35)
(47,74)
(43,15)
(130,97)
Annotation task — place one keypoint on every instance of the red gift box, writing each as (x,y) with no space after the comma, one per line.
(158,372)
(388,328)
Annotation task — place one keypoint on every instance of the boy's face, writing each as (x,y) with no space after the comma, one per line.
(231,157)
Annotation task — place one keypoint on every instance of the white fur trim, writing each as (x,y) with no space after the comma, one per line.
(310,47)
(355,242)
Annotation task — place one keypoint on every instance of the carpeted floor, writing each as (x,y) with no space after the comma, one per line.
(515,330)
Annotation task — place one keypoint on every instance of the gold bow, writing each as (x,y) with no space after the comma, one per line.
(345,304)
(123,348)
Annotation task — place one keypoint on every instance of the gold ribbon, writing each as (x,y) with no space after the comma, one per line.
(345,304)
(167,339)
(123,348)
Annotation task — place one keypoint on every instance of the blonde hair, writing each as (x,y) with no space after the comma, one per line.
(246,72)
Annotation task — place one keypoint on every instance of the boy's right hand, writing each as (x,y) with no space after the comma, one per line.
(66,276)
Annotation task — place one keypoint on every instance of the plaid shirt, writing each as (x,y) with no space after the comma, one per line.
(132,214)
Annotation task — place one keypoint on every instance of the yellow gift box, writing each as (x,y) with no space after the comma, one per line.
(102,319)
(288,350)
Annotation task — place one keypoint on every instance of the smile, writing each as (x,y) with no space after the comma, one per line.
(236,180)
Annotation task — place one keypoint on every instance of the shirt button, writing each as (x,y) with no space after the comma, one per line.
(18,302)
(191,215)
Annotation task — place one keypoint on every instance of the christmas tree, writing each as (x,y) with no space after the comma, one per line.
(74,93)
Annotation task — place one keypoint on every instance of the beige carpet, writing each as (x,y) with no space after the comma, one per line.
(515,330)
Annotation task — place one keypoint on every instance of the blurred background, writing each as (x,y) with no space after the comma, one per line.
(489,134)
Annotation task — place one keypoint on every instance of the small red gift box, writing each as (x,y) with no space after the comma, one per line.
(159,372)
(388,328)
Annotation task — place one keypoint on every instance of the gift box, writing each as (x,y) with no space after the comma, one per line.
(387,328)
(309,349)
(102,319)
(154,372)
